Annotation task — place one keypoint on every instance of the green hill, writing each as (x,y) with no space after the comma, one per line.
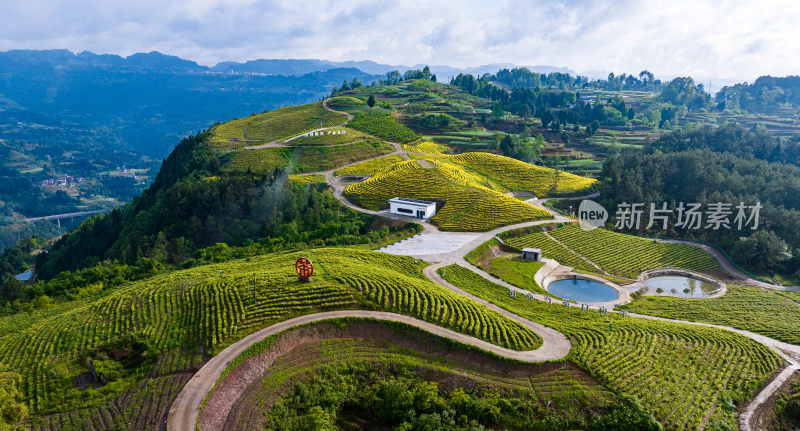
(168,324)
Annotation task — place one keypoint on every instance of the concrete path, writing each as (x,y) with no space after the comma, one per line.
(185,409)
(426,244)
(746,418)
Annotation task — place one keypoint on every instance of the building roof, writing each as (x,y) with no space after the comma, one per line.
(415,202)
(532,250)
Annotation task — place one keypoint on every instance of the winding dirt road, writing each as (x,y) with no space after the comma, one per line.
(184,411)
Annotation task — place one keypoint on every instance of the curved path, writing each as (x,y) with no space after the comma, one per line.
(184,410)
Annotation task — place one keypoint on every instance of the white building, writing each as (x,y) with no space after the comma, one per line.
(412,207)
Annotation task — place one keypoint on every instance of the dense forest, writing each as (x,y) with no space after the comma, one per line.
(767,94)
(190,205)
(707,165)
(556,98)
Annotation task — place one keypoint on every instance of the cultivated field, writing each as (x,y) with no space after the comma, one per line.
(175,320)
(754,309)
(274,125)
(691,377)
(464,203)
(605,248)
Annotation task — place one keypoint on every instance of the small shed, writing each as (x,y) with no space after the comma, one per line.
(412,207)
(532,254)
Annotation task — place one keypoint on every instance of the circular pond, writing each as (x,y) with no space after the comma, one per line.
(681,286)
(582,290)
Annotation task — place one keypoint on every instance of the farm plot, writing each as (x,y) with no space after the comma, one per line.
(370,167)
(692,377)
(750,308)
(212,306)
(550,249)
(464,205)
(274,125)
(628,256)
(383,126)
(515,175)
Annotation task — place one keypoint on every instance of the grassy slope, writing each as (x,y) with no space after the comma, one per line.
(517,272)
(684,373)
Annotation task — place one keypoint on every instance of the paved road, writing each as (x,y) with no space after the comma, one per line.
(63,216)
(184,410)
(746,418)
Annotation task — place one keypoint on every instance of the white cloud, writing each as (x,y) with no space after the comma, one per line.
(704,38)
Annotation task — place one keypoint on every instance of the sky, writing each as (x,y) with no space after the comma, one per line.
(704,39)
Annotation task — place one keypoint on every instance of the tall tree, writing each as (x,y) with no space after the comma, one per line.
(371,102)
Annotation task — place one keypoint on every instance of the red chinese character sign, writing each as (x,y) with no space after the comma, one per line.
(304,268)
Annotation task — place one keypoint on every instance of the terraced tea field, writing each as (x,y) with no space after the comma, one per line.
(308,179)
(690,376)
(515,175)
(550,249)
(464,204)
(318,158)
(305,159)
(603,246)
(335,136)
(184,315)
(274,125)
(383,126)
(260,161)
(426,147)
(370,167)
(750,308)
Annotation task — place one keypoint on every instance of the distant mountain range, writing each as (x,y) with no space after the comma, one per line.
(292,67)
(150,100)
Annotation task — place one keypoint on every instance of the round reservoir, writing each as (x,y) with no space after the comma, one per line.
(581,290)
(684,287)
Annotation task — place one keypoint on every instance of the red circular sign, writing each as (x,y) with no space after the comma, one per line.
(304,267)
